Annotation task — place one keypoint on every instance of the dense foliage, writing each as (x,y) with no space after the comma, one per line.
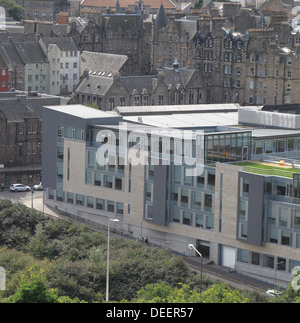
(12,9)
(51,260)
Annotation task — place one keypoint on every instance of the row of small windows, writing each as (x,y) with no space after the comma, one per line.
(192,219)
(228,44)
(267,261)
(87,201)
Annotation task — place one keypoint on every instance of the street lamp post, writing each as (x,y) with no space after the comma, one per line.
(107,268)
(191,246)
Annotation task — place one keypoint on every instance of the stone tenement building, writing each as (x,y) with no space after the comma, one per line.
(118,34)
(21,136)
(250,57)
(43,10)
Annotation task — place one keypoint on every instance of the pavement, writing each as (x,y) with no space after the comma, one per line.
(228,275)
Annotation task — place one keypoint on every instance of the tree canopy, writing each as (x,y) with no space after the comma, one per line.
(12,9)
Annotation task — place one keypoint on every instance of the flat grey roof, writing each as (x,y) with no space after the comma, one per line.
(263,132)
(190,120)
(172,109)
(82,111)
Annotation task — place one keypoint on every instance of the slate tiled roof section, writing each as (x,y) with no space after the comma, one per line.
(95,85)
(31,53)
(101,64)
(154,4)
(10,55)
(161,18)
(13,108)
(63,43)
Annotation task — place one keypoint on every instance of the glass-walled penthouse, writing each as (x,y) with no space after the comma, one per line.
(227,147)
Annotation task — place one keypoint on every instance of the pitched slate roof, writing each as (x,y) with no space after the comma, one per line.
(138,84)
(94,85)
(16,110)
(10,55)
(31,53)
(154,4)
(19,54)
(161,18)
(64,43)
(101,64)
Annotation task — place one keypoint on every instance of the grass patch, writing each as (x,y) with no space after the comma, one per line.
(268,169)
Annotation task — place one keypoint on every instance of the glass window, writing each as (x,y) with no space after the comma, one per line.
(242,210)
(97,179)
(118,183)
(151,172)
(177,174)
(200,181)
(148,191)
(79,199)
(91,159)
(210,222)
(187,218)
(297,220)
(120,208)
(268,188)
(269,146)
(199,220)
(243,255)
(255,258)
(258,147)
(245,187)
(108,181)
(279,145)
(285,238)
(269,261)
(51,194)
(174,195)
(60,153)
(149,213)
(100,204)
(70,198)
(273,235)
(176,215)
(184,198)
(110,206)
(283,217)
(208,202)
(88,178)
(280,189)
(244,230)
(196,201)
(281,264)
(90,202)
(211,181)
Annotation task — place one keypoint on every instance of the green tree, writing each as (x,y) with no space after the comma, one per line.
(13,10)
(162,293)
(33,289)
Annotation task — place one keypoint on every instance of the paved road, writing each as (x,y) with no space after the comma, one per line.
(21,196)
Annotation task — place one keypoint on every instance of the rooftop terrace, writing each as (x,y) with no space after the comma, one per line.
(271,169)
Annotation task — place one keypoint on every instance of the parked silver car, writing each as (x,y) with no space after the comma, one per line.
(38,187)
(19,188)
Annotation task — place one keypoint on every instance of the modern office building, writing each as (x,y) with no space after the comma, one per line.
(208,175)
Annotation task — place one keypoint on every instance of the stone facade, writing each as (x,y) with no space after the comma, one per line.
(21,137)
